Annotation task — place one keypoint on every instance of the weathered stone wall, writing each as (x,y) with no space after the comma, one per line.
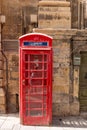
(62,83)
(54,14)
(14,12)
(79,42)
(12,29)
(62,94)
(65,75)
(2,87)
(13,81)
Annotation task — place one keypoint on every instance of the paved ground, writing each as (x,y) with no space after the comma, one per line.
(12,122)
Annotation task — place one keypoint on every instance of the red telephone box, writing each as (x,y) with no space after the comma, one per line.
(35,79)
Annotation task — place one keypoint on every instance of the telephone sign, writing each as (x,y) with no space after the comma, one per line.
(35,44)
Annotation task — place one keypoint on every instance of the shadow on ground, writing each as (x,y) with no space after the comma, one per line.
(76,122)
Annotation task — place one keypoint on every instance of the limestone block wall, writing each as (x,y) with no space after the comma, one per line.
(12,29)
(2,87)
(63,88)
(62,72)
(61,77)
(13,81)
(54,14)
(65,91)
(14,12)
(79,42)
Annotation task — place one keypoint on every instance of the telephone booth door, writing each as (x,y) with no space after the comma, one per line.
(36,86)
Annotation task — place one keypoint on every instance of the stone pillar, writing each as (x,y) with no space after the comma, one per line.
(75,14)
(54,14)
(85,14)
(2,89)
(79,12)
